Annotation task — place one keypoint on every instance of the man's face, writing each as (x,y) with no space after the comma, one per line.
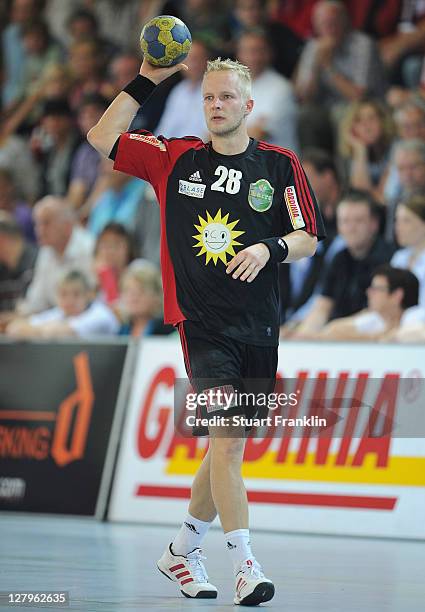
(323,183)
(224,107)
(379,297)
(410,123)
(49,228)
(355,224)
(73,298)
(329,21)
(249,13)
(123,70)
(112,251)
(254,52)
(196,62)
(57,126)
(411,170)
(139,300)
(88,116)
(409,228)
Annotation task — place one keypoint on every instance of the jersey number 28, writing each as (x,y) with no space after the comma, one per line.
(231,177)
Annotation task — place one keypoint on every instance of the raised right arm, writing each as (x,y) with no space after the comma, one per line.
(120,112)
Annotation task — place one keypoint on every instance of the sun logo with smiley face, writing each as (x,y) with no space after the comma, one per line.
(216,237)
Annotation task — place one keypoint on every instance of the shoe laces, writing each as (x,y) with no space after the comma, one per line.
(252,568)
(194,560)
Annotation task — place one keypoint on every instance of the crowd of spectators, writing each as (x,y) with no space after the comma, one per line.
(341,82)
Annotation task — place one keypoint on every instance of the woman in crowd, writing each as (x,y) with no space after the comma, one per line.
(366,135)
(410,234)
(114,250)
(141,300)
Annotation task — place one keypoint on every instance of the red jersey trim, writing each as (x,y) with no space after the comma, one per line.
(306,201)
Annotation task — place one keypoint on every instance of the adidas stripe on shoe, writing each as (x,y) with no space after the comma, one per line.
(188,572)
(252,587)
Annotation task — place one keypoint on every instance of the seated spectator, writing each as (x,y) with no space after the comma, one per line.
(274,115)
(286,45)
(13,52)
(366,133)
(63,245)
(349,273)
(82,25)
(16,157)
(147,227)
(86,160)
(410,234)
(76,314)
(9,202)
(55,144)
(113,252)
(338,66)
(391,293)
(208,19)
(122,69)
(117,198)
(187,94)
(141,297)
(40,50)
(297,16)
(302,280)
(409,161)
(17,262)
(87,65)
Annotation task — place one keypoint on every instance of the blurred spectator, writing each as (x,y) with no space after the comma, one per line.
(378,19)
(391,293)
(208,20)
(141,298)
(113,252)
(338,66)
(409,161)
(87,66)
(122,69)
(17,261)
(410,124)
(15,157)
(286,45)
(63,245)
(175,122)
(55,143)
(86,160)
(402,51)
(295,15)
(410,234)
(366,134)
(13,52)
(76,313)
(118,197)
(349,273)
(40,50)
(18,209)
(147,230)
(82,25)
(274,115)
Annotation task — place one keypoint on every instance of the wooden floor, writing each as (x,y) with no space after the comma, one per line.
(111,568)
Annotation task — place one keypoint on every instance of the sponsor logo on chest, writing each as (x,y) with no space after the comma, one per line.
(293,208)
(193,190)
(260,195)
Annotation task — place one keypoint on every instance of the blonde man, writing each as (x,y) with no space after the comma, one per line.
(231,210)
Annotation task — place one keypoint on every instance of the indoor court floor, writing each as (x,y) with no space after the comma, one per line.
(110,567)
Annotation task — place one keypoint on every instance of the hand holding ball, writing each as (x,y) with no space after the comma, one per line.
(165,41)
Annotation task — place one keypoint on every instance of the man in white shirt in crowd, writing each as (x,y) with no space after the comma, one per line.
(63,246)
(184,112)
(274,115)
(392,295)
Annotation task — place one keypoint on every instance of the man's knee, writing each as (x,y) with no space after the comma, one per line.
(224,446)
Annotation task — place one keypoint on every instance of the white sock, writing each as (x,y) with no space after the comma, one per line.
(239,546)
(190,535)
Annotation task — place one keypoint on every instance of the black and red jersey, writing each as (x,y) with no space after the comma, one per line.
(212,206)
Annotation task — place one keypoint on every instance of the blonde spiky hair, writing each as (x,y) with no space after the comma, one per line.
(219,65)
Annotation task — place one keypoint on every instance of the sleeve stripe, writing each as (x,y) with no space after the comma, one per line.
(301,184)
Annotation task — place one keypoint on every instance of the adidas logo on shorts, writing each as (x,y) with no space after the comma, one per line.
(196,176)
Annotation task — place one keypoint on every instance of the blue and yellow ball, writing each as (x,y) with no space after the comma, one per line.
(165,41)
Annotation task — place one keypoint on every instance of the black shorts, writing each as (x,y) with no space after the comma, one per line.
(214,361)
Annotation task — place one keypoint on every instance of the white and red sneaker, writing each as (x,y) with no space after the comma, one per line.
(188,572)
(252,587)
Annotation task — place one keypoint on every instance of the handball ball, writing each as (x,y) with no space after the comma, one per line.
(165,41)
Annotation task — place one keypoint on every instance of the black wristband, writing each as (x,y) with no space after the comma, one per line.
(278,249)
(140,88)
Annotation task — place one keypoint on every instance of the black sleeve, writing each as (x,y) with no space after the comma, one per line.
(112,155)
